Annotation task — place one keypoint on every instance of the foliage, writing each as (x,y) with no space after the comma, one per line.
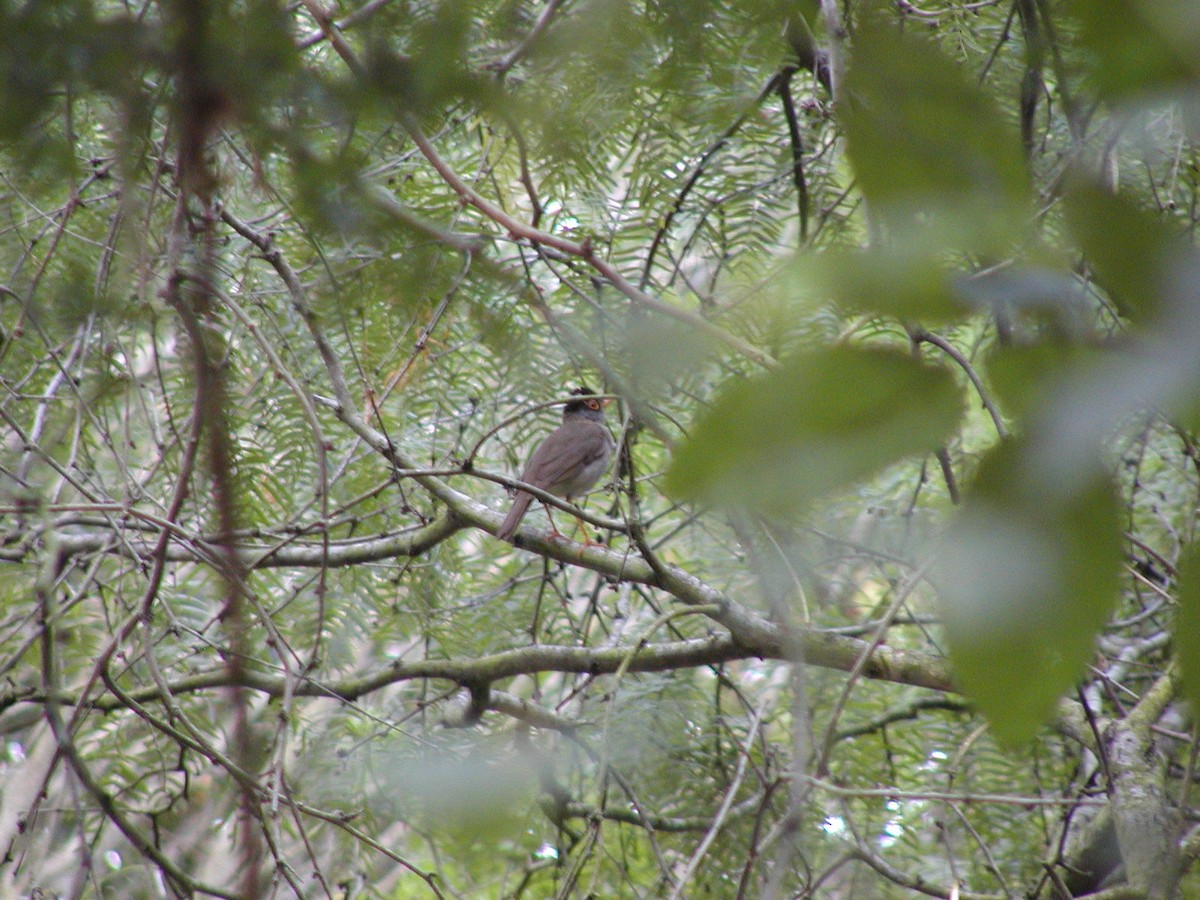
(896,589)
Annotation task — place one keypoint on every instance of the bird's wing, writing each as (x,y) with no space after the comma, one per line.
(565,451)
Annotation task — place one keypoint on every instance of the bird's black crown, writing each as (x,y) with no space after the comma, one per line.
(586,399)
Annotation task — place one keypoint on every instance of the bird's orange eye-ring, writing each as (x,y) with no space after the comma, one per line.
(593,404)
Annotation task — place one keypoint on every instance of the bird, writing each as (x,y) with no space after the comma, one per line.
(569,461)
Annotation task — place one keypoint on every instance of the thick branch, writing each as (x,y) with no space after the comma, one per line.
(829,651)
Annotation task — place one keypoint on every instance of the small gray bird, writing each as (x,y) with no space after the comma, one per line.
(569,461)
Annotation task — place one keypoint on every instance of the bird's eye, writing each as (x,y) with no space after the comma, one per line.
(593,404)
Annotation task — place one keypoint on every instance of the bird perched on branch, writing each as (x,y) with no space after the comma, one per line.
(569,461)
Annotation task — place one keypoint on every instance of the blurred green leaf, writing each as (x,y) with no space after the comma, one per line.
(1032,291)
(480,791)
(1151,272)
(818,422)
(253,56)
(1134,254)
(659,352)
(432,69)
(1028,577)
(920,279)
(1187,624)
(45,47)
(1020,376)
(1140,45)
(896,279)
(928,144)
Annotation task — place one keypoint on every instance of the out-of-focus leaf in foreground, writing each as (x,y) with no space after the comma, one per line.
(1187,624)
(817,423)
(1028,576)
(1132,252)
(929,146)
(1140,46)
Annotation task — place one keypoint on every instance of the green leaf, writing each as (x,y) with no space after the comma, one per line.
(897,279)
(1187,624)
(917,279)
(1140,45)
(1021,376)
(1135,255)
(1028,577)
(820,421)
(1151,272)
(47,47)
(659,353)
(927,144)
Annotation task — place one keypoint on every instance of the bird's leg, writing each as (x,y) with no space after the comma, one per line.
(587,535)
(554,532)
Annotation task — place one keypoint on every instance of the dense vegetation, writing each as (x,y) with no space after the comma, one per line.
(889,591)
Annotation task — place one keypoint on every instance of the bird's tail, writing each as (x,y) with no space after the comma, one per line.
(515,515)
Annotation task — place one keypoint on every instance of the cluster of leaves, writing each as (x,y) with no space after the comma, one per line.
(1031,573)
